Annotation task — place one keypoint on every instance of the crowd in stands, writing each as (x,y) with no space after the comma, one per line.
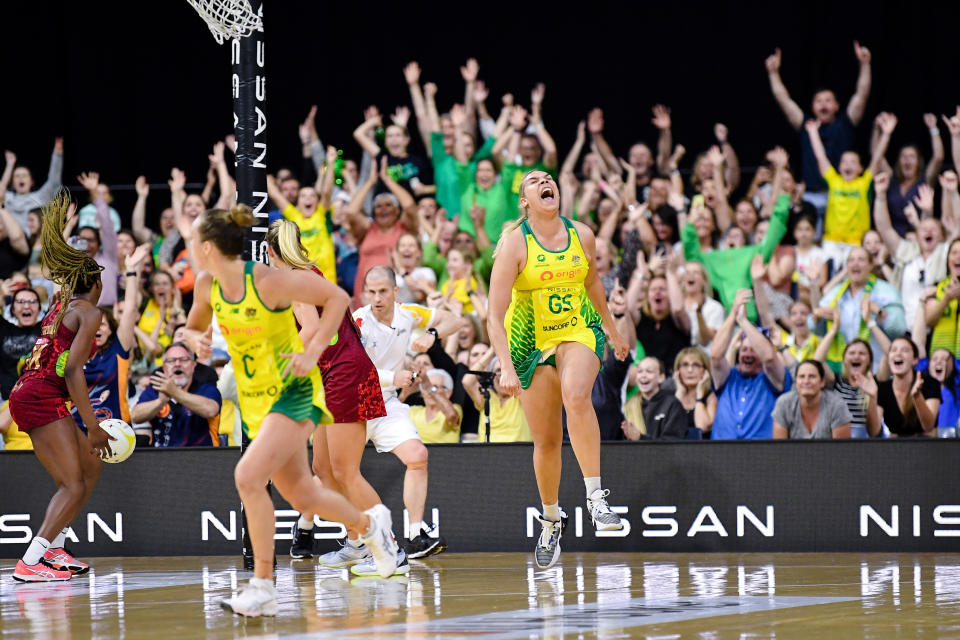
(813,296)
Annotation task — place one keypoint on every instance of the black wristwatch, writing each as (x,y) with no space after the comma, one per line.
(434,332)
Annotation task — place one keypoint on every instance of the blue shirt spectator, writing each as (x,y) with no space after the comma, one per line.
(745,405)
(746,393)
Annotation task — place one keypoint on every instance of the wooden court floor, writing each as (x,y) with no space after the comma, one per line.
(502,596)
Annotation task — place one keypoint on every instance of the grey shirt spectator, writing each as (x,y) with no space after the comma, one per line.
(833,413)
(20,204)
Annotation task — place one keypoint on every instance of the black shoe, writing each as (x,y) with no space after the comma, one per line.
(248,561)
(423,546)
(302,543)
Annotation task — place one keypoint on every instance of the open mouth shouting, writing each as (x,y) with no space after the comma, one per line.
(547,193)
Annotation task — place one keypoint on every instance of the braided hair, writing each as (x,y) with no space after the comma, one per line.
(72,269)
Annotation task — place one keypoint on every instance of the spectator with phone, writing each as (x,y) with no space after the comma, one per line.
(438,419)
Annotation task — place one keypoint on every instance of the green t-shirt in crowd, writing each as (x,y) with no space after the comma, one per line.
(495,200)
(445,171)
(729,269)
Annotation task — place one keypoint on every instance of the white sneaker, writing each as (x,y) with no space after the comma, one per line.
(379,540)
(258,598)
(604,519)
(346,556)
(547,551)
(369,569)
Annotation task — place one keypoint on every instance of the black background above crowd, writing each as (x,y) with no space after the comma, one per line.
(140,90)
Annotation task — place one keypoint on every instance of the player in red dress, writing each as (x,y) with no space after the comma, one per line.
(352,394)
(52,375)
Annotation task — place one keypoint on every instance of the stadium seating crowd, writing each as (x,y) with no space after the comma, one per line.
(813,296)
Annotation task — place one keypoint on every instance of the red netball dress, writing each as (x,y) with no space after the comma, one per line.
(40,395)
(350,382)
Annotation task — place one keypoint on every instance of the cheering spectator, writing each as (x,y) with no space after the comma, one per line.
(21,200)
(141,231)
(106,372)
(438,419)
(662,417)
(691,372)
(908,400)
(942,367)
(942,311)
(808,411)
(835,129)
(663,326)
(409,172)
(414,280)
(14,249)
(17,339)
(867,304)
(919,262)
(98,243)
(848,204)
(746,392)
(158,319)
(87,215)
(729,269)
(909,177)
(182,411)
(311,214)
(394,214)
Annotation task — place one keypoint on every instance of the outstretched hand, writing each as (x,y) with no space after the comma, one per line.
(862,53)
(661,117)
(773,61)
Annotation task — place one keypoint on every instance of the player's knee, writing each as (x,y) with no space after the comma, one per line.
(576,396)
(245,479)
(91,474)
(344,475)
(417,458)
(74,487)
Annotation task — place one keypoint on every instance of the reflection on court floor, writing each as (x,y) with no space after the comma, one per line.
(502,597)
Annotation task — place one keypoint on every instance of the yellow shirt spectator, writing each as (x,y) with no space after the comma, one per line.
(437,429)
(13,438)
(461,291)
(316,238)
(507,422)
(148,322)
(848,207)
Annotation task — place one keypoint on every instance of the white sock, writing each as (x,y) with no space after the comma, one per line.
(592,484)
(38,546)
(305,525)
(414,530)
(60,539)
(356,544)
(551,512)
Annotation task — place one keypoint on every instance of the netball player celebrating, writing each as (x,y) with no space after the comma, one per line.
(351,390)
(555,318)
(277,384)
(52,375)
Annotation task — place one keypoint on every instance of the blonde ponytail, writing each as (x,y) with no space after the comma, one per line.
(284,238)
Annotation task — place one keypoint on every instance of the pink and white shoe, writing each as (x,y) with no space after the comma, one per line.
(39,573)
(61,560)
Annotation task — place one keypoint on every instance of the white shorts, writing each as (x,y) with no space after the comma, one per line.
(392,430)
